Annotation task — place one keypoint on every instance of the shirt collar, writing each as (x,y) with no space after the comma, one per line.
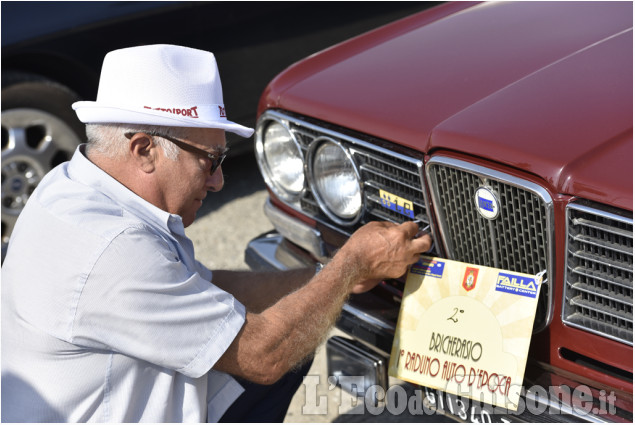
(82,170)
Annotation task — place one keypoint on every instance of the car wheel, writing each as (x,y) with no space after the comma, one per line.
(39,131)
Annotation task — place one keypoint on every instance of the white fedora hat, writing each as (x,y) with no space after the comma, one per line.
(160,84)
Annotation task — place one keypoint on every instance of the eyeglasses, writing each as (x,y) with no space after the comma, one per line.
(216,159)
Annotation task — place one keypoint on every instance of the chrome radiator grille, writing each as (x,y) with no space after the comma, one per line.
(519,239)
(599,279)
(380,169)
(397,176)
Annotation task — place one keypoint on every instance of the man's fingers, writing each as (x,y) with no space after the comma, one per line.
(422,244)
(414,258)
(410,227)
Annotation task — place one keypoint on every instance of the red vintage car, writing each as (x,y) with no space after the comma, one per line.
(527,106)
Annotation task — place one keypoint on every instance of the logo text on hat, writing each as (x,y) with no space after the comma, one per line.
(186,112)
(221,111)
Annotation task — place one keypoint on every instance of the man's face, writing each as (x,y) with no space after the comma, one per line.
(186,181)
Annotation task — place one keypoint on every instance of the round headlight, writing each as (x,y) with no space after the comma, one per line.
(283,161)
(335,181)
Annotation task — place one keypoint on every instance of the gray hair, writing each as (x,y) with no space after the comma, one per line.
(109,140)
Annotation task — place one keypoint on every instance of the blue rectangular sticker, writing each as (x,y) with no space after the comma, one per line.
(519,285)
(426,267)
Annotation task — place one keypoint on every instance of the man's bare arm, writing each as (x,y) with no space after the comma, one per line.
(260,290)
(273,341)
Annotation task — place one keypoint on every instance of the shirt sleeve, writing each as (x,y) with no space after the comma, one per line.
(142,301)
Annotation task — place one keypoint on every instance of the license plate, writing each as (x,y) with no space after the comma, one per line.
(464,409)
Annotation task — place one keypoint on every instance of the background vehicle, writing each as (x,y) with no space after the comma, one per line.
(52,54)
(531,101)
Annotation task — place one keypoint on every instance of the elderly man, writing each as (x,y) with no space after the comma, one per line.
(106,314)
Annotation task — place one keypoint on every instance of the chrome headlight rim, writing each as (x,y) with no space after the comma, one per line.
(261,127)
(310,159)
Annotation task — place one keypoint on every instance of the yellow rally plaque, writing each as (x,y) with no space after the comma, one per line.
(465,329)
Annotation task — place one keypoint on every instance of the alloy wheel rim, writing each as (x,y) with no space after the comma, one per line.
(33,143)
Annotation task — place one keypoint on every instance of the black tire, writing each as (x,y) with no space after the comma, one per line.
(11,77)
(39,131)
(38,93)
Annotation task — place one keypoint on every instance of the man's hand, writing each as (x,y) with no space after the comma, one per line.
(275,339)
(382,250)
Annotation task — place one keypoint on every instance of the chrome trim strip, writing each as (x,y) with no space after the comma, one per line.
(271,251)
(615,265)
(370,170)
(607,247)
(487,173)
(597,212)
(581,304)
(616,283)
(604,295)
(430,222)
(491,174)
(270,114)
(367,318)
(351,352)
(563,408)
(296,231)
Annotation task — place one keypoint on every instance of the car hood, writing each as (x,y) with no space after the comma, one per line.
(542,86)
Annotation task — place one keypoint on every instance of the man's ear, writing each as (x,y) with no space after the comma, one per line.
(143,151)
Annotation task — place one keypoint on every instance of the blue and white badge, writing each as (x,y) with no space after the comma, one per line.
(487,203)
(518,285)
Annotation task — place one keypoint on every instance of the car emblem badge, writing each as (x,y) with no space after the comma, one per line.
(487,203)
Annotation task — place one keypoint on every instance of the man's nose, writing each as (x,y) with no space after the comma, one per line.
(215,181)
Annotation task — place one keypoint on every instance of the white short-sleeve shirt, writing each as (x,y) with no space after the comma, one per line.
(106,314)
